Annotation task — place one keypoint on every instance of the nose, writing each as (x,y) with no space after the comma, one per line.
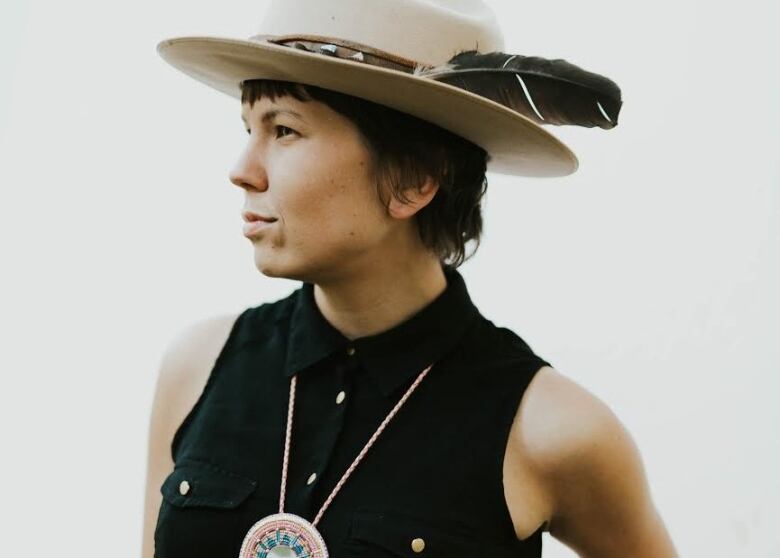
(248,173)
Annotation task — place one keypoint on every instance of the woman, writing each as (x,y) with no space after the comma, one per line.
(374,411)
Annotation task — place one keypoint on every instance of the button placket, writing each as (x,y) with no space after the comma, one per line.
(321,435)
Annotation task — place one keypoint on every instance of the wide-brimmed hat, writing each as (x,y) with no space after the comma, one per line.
(439,60)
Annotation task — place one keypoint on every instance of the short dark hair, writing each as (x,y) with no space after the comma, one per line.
(404,149)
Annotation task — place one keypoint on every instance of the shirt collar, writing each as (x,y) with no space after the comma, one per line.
(392,357)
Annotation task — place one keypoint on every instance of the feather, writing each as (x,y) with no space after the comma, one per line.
(546,91)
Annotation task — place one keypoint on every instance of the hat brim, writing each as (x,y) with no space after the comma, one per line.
(517,145)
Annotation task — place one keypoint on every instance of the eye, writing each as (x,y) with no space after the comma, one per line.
(280,127)
(248,131)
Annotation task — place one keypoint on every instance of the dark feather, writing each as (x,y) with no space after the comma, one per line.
(546,91)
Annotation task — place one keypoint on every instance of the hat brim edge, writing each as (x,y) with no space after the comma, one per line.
(518,146)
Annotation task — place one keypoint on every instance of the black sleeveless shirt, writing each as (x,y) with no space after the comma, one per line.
(435,473)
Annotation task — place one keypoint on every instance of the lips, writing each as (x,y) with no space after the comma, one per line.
(255,223)
(251,216)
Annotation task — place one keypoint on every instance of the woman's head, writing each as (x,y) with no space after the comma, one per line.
(352,182)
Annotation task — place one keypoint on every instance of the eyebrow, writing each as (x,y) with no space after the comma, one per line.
(273,113)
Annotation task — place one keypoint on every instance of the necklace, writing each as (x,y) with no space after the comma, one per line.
(286,535)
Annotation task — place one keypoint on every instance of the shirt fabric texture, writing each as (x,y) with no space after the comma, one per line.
(435,473)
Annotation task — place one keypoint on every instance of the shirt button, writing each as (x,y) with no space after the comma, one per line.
(311,478)
(340,397)
(184,487)
(351,351)
(418,545)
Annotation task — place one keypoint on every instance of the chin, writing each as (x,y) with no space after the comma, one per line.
(272,265)
(275,266)
(267,268)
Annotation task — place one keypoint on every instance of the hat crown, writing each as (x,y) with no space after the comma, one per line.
(426,31)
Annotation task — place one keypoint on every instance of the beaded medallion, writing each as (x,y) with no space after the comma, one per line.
(283,535)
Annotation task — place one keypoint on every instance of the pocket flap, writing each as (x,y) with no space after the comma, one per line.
(199,483)
(407,535)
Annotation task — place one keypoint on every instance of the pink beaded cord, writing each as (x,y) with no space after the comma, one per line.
(348,472)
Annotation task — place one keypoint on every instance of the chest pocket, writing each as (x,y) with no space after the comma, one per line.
(201,513)
(200,483)
(385,534)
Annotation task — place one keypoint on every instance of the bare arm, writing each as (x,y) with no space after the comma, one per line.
(593,473)
(158,462)
(184,369)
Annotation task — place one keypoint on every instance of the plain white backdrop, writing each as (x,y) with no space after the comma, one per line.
(649,276)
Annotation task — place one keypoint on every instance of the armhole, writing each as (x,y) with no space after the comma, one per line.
(517,388)
(227,345)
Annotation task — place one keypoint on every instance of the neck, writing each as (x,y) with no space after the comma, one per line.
(380,297)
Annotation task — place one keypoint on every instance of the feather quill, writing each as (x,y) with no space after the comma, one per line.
(546,91)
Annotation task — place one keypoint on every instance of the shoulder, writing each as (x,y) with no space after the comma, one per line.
(198,342)
(188,359)
(589,466)
(558,419)
(196,346)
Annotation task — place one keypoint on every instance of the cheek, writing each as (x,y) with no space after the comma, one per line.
(331,195)
(339,214)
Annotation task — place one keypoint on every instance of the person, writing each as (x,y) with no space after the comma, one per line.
(375,411)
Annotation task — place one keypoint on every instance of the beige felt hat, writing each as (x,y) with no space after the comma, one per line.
(439,60)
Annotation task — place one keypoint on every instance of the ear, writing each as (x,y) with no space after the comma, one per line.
(418,197)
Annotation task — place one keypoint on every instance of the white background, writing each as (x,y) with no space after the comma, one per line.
(646,276)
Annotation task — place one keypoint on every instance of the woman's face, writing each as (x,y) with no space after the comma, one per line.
(310,171)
